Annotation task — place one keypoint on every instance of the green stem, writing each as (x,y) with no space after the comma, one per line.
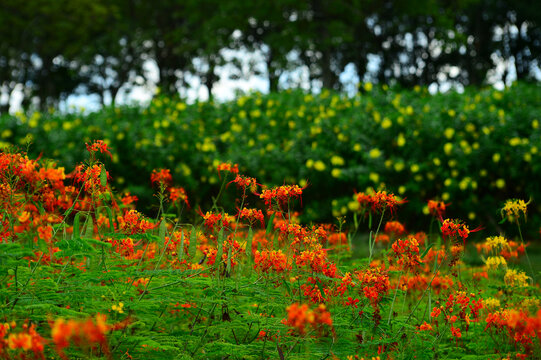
(373,242)
(526,252)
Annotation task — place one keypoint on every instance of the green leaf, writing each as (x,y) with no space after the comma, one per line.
(320,287)
(181,250)
(89,231)
(76,226)
(97,242)
(110,216)
(162,231)
(228,269)
(287,286)
(426,251)
(220,248)
(269,224)
(103,176)
(249,241)
(193,243)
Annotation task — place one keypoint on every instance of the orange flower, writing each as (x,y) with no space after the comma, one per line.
(178,194)
(265,261)
(379,201)
(281,194)
(437,208)
(394,228)
(98,145)
(301,316)
(161,176)
(234,169)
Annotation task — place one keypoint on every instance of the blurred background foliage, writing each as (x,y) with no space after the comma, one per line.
(473,150)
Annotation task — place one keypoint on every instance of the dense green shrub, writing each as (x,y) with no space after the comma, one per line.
(473,149)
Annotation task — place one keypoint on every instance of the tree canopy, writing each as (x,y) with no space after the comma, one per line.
(51,49)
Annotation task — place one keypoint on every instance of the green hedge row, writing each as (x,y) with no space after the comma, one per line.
(474,149)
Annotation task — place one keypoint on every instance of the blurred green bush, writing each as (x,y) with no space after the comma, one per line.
(474,149)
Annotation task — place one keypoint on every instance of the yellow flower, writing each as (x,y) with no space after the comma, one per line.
(353,205)
(496,242)
(400,140)
(386,123)
(336,173)
(500,183)
(375,153)
(515,278)
(449,132)
(319,165)
(337,160)
(492,303)
(368,86)
(399,166)
(448,147)
(493,262)
(374,177)
(514,207)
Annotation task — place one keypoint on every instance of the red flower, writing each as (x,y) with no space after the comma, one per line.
(98,145)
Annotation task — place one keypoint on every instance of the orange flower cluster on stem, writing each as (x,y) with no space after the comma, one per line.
(227,167)
(274,260)
(520,327)
(245,182)
(407,254)
(374,283)
(252,215)
(178,194)
(161,176)
(394,228)
(379,201)
(455,229)
(133,222)
(26,340)
(301,317)
(281,194)
(90,332)
(98,145)
(90,177)
(437,208)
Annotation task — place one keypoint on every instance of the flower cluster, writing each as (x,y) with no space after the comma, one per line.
(90,332)
(513,208)
(245,182)
(379,201)
(281,194)
(227,167)
(26,340)
(455,229)
(91,178)
(273,260)
(407,253)
(437,208)
(520,327)
(300,317)
(133,222)
(374,283)
(98,145)
(252,215)
(177,195)
(161,177)
(394,228)
(516,278)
